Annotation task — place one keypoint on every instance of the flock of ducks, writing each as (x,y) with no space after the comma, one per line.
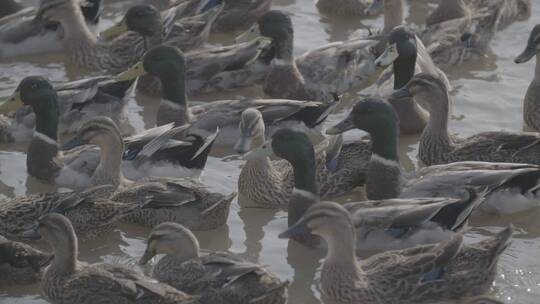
(415,222)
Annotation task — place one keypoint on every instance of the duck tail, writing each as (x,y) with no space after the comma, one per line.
(499,243)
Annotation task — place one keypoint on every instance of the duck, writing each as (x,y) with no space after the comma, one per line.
(67,280)
(165,199)
(90,211)
(77,101)
(205,66)
(511,187)
(217,277)
(343,7)
(438,147)
(10,7)
(318,74)
(169,65)
(74,168)
(446,271)
(380,224)
(408,56)
(84,50)
(531,102)
(26,32)
(235,16)
(21,263)
(270,183)
(505,12)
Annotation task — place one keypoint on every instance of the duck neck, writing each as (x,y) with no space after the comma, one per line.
(342,251)
(437,127)
(537,69)
(259,165)
(284,48)
(404,68)
(384,172)
(305,187)
(174,104)
(66,254)
(393,15)
(47,117)
(75,28)
(109,170)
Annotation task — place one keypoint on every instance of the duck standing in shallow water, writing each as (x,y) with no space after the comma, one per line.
(439,147)
(380,225)
(217,277)
(531,103)
(423,274)
(67,280)
(408,56)
(511,187)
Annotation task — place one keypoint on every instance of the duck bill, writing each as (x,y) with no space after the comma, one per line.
(388,57)
(249,35)
(374,8)
(12,104)
(147,256)
(115,30)
(401,93)
(297,230)
(265,150)
(526,55)
(134,72)
(342,127)
(73,143)
(243,145)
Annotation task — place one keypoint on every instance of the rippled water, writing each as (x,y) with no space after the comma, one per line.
(488,96)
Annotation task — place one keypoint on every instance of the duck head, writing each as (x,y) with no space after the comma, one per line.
(252,130)
(171,239)
(143,19)
(532,48)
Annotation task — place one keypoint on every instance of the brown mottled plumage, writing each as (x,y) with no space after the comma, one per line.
(218,277)
(423,274)
(20,263)
(67,280)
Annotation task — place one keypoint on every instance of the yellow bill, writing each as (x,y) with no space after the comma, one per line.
(115,30)
(12,104)
(134,72)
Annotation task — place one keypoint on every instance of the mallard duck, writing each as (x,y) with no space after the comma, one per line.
(90,211)
(217,277)
(531,103)
(381,225)
(438,147)
(319,74)
(84,49)
(67,280)
(74,168)
(207,67)
(408,57)
(512,187)
(343,7)
(76,101)
(27,32)
(169,65)
(270,183)
(505,12)
(446,271)
(10,7)
(237,15)
(181,200)
(21,263)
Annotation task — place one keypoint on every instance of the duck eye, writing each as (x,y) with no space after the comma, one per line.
(34,86)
